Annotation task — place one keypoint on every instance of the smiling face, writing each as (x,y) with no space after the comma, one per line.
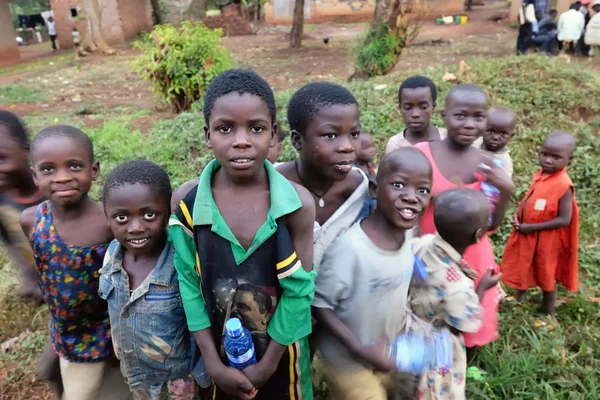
(13,161)
(330,141)
(63,170)
(240,132)
(465,116)
(404,189)
(500,129)
(137,217)
(416,107)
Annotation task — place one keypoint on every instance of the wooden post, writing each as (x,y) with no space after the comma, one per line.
(9,51)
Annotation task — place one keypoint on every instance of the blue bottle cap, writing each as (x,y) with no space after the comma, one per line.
(234,327)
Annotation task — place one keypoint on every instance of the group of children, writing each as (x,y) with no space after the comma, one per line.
(318,252)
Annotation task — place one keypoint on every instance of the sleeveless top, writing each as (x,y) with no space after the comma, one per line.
(69,278)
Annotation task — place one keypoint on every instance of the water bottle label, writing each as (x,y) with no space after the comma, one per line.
(242,358)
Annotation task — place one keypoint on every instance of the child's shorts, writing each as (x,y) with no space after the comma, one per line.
(93,381)
(360,385)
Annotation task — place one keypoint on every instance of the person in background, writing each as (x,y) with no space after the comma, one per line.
(365,155)
(501,125)
(547,32)
(592,31)
(542,7)
(275,151)
(50,24)
(570,28)
(527,26)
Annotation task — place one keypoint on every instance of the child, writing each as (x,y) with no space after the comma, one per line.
(448,298)
(17,192)
(69,235)
(543,246)
(245,230)
(417,98)
(139,281)
(275,151)
(363,282)
(365,155)
(501,125)
(325,130)
(456,163)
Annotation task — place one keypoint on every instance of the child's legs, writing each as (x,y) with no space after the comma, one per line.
(49,369)
(361,385)
(549,302)
(81,381)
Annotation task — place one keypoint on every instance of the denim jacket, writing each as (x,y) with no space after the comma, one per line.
(149,329)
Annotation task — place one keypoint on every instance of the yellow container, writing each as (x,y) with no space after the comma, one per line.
(463,19)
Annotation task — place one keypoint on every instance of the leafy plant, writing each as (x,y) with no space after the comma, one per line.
(181,63)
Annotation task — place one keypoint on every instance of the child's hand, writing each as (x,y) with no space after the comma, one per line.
(489,280)
(525,228)
(495,175)
(377,356)
(234,383)
(259,374)
(514,221)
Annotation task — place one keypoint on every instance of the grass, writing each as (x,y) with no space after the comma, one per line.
(18,94)
(530,360)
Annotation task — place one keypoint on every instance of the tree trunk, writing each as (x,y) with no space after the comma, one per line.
(197,10)
(93,39)
(158,17)
(469,5)
(298,25)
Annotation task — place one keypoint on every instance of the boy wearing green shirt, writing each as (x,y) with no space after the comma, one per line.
(243,247)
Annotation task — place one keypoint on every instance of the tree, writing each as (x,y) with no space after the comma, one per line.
(156,11)
(196,10)
(298,24)
(93,38)
(395,25)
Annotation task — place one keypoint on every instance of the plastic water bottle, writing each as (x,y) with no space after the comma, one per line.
(238,345)
(492,193)
(413,353)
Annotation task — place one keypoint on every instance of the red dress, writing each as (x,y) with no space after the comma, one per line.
(544,257)
(479,256)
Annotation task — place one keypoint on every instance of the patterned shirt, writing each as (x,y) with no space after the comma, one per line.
(68,277)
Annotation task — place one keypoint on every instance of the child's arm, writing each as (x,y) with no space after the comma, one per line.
(565,213)
(374,355)
(27,220)
(497,177)
(230,380)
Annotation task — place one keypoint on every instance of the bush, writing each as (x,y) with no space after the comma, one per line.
(180,63)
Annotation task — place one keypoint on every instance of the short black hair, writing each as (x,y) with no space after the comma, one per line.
(142,172)
(67,131)
(467,88)
(238,81)
(553,11)
(15,127)
(415,82)
(309,99)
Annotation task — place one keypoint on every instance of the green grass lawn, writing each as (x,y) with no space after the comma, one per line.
(531,360)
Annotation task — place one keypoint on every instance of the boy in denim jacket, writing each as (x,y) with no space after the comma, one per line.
(159,358)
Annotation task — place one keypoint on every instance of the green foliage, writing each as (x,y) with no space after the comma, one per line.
(180,63)
(379,52)
(18,94)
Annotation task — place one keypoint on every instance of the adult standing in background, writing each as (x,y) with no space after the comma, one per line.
(570,27)
(542,7)
(52,31)
(527,26)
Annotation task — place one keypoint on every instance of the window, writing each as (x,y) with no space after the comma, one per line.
(73,12)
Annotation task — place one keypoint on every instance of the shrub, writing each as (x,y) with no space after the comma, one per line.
(180,63)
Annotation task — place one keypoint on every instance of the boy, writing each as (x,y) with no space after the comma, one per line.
(448,298)
(417,98)
(501,125)
(325,130)
(543,246)
(275,151)
(244,226)
(365,155)
(363,282)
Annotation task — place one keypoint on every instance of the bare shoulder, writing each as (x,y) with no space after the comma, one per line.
(305,197)
(182,191)
(27,220)
(287,169)
(353,181)
(98,215)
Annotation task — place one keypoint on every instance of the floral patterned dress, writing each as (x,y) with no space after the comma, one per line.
(446,299)
(68,277)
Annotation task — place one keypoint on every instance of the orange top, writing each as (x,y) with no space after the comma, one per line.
(544,257)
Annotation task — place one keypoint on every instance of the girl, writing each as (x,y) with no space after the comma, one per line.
(69,235)
(140,283)
(465,117)
(17,192)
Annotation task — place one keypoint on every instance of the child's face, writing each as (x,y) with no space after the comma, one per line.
(416,107)
(465,116)
(240,133)
(13,161)
(554,157)
(330,141)
(367,151)
(404,192)
(137,217)
(275,152)
(500,129)
(63,170)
